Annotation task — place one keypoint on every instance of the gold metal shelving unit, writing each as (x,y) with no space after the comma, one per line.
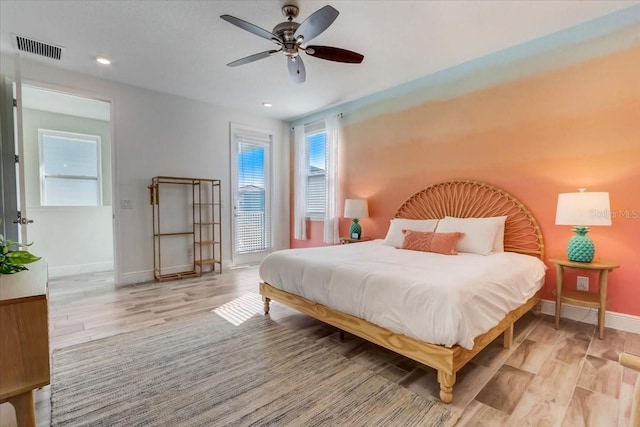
(203,230)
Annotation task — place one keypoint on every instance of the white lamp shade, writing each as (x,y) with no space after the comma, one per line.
(356,208)
(583,208)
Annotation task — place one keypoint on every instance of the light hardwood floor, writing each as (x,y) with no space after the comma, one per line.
(550,377)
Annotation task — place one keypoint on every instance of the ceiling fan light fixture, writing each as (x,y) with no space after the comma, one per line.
(102,60)
(291,36)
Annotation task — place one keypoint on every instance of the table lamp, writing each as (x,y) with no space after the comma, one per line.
(580,210)
(355,208)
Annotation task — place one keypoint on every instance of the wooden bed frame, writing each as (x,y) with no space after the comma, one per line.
(462,199)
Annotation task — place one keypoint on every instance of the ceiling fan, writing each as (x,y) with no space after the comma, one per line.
(292,37)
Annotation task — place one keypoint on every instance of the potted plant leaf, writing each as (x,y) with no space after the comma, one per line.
(13,256)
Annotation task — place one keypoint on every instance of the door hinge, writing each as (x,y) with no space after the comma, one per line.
(15,102)
(17,158)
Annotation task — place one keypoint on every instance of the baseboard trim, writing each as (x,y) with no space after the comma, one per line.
(135,277)
(69,270)
(147,275)
(621,321)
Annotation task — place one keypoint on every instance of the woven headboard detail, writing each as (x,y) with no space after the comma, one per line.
(467,199)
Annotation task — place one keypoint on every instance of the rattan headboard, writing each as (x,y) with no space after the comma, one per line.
(465,199)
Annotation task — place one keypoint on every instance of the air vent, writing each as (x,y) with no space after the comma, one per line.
(37,47)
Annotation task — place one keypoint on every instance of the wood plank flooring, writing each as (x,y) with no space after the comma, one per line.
(565,377)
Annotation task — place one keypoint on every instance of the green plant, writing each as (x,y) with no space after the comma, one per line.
(13,258)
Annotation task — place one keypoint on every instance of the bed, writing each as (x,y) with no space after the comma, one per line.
(385,295)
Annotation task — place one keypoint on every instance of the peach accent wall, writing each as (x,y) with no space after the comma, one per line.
(554,132)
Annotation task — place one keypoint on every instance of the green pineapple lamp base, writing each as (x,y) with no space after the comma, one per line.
(581,247)
(356,230)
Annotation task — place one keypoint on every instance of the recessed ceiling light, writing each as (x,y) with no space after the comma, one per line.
(267,104)
(102,60)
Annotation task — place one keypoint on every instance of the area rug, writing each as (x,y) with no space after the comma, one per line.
(208,372)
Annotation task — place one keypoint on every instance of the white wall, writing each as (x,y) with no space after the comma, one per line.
(160,134)
(73,239)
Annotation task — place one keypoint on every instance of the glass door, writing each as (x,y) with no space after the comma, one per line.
(251,170)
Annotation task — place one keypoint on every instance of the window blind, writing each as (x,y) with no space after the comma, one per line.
(70,169)
(316,174)
(252,220)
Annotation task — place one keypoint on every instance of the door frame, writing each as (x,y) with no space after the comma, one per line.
(254,257)
(117,262)
(9,199)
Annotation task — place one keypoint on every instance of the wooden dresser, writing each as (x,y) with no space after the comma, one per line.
(24,339)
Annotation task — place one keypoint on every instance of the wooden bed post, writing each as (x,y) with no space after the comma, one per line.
(508,337)
(446,385)
(537,309)
(266,301)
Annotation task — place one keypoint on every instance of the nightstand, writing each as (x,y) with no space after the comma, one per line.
(347,240)
(24,341)
(582,298)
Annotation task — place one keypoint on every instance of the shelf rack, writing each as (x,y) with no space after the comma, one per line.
(203,230)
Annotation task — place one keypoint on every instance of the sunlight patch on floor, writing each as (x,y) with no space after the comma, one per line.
(240,309)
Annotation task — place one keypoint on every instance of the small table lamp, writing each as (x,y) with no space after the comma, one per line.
(580,210)
(355,208)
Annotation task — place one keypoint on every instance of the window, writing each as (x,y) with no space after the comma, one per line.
(316,139)
(69,169)
(315,177)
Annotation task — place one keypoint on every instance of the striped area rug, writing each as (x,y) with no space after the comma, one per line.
(209,372)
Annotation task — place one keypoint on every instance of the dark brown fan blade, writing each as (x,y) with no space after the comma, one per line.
(316,23)
(334,54)
(247,26)
(251,58)
(296,69)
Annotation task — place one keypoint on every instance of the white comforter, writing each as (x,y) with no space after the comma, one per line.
(439,299)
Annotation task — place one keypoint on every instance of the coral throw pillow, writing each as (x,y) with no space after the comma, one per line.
(426,241)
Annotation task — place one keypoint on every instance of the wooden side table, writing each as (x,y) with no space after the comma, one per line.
(347,240)
(24,339)
(582,298)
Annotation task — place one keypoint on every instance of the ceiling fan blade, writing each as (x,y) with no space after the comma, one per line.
(334,54)
(251,58)
(316,23)
(247,26)
(296,69)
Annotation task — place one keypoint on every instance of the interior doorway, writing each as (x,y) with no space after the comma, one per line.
(66,158)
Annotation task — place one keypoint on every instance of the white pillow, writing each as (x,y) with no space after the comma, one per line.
(482,235)
(394,234)
(498,244)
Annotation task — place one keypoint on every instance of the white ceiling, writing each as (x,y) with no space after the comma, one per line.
(181,47)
